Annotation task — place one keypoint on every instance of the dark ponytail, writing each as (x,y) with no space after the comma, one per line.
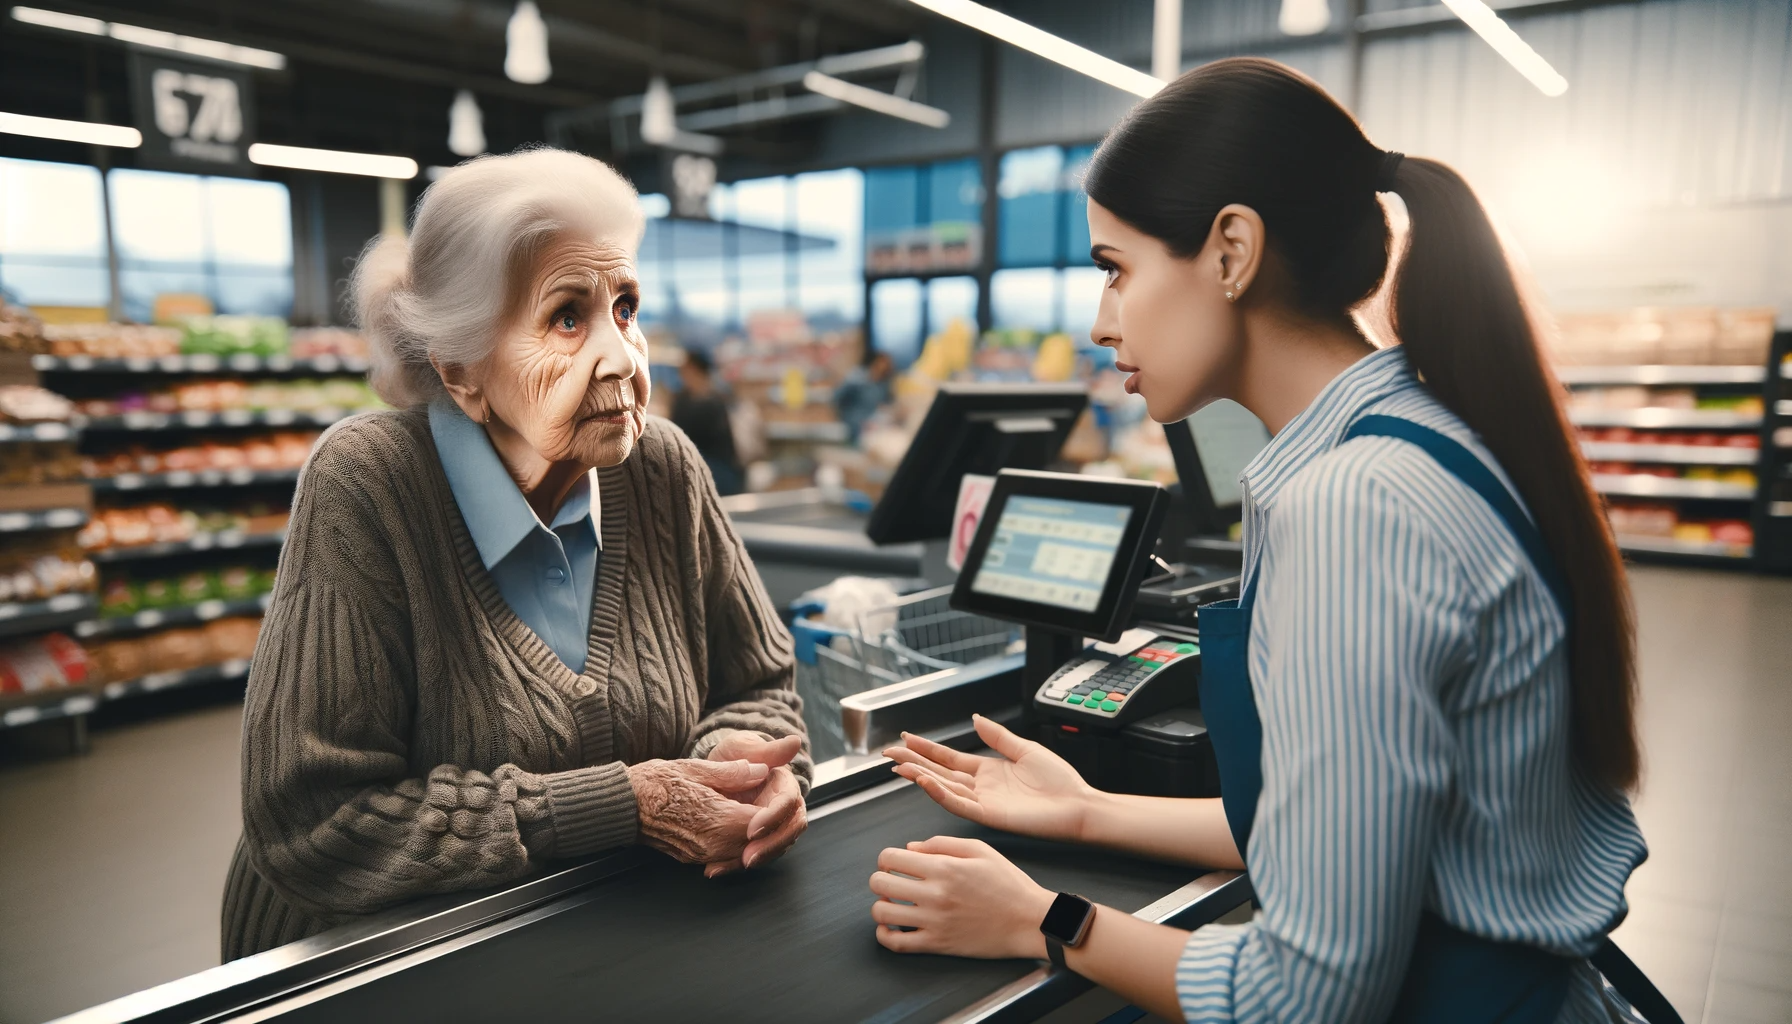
(1254,132)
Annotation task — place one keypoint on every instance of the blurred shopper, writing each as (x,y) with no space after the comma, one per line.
(864,391)
(1422,705)
(702,413)
(474,661)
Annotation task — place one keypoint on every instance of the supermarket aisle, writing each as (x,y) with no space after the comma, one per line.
(114,862)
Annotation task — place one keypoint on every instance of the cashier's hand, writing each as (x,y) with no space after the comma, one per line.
(687,808)
(961,897)
(778,814)
(1028,790)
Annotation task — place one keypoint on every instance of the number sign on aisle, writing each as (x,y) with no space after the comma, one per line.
(194,117)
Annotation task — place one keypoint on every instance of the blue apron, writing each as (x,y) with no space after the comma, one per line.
(1454,977)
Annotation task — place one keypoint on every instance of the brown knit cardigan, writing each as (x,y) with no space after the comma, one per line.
(405,733)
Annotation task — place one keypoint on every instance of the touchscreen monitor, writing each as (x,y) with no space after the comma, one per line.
(1061,552)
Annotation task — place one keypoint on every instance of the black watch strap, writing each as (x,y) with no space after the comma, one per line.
(1055,950)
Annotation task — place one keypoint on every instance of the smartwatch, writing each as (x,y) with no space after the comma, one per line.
(1065,924)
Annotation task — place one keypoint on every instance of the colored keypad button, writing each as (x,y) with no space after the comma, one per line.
(1073,699)
(1187,649)
(1108,705)
(1098,695)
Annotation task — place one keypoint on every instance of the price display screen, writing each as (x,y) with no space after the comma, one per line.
(1053,551)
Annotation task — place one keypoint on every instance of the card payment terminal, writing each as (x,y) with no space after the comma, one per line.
(1064,556)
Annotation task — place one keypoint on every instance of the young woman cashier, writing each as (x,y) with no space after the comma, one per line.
(1422,704)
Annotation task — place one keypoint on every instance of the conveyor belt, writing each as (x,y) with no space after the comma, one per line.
(790,943)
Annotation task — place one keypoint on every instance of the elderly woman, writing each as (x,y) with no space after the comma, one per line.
(512,623)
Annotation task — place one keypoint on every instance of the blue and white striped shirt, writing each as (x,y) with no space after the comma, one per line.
(1409,668)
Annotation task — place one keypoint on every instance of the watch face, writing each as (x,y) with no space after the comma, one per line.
(1068,918)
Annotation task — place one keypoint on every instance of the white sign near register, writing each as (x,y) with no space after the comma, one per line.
(1052,551)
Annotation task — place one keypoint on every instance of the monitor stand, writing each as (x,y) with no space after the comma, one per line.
(1047,650)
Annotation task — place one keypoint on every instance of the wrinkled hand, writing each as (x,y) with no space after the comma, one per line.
(778,814)
(967,900)
(1028,790)
(687,808)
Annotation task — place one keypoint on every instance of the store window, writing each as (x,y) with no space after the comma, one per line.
(1032,207)
(924,219)
(830,281)
(52,234)
(896,318)
(949,299)
(1025,299)
(227,239)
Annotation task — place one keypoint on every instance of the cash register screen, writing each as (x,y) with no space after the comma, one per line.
(1052,551)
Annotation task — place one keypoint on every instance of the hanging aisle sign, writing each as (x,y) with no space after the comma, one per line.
(195,117)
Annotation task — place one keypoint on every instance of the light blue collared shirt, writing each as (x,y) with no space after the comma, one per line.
(1411,671)
(545,573)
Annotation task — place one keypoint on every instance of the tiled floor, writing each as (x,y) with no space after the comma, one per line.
(112,863)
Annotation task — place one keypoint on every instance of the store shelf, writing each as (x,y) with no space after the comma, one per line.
(194,420)
(831,433)
(235,668)
(196,478)
(18,709)
(1661,374)
(1670,546)
(1707,419)
(222,540)
(182,615)
(1686,454)
(198,364)
(11,432)
(1640,486)
(37,616)
(42,519)
(1779,508)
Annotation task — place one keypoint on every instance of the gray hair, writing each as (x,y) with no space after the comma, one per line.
(446,292)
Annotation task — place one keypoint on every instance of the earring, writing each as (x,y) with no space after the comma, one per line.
(1231,295)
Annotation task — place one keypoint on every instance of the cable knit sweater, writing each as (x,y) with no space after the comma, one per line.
(406,734)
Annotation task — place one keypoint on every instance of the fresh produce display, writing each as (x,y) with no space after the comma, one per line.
(110,341)
(341,393)
(20,331)
(234,335)
(1682,438)
(1663,521)
(172,650)
(312,342)
(123,596)
(1740,476)
(283,450)
(162,523)
(48,662)
(27,403)
(38,462)
(35,569)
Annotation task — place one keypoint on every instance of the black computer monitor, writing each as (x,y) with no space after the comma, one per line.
(1211,449)
(971,428)
(1061,552)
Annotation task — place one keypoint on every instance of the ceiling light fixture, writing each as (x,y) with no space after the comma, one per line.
(659,122)
(526,45)
(333,161)
(1505,42)
(1304,17)
(466,125)
(92,133)
(871,99)
(1052,48)
(192,46)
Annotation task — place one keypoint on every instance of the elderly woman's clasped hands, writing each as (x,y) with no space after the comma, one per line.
(741,808)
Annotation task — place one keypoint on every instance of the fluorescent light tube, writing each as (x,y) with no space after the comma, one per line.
(153,38)
(57,19)
(1505,42)
(1043,43)
(71,131)
(871,99)
(333,161)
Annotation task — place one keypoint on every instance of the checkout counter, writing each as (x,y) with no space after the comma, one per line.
(631,935)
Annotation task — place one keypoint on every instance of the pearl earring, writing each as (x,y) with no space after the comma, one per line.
(1231,295)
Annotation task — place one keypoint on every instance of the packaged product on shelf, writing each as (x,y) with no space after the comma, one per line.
(1642,519)
(312,342)
(172,650)
(38,462)
(112,341)
(283,450)
(234,335)
(26,403)
(1692,335)
(47,662)
(20,331)
(33,569)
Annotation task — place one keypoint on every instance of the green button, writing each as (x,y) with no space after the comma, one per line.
(1098,695)
(1073,699)
(1108,705)
(1187,649)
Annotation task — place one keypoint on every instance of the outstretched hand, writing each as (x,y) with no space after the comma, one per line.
(778,814)
(1028,790)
